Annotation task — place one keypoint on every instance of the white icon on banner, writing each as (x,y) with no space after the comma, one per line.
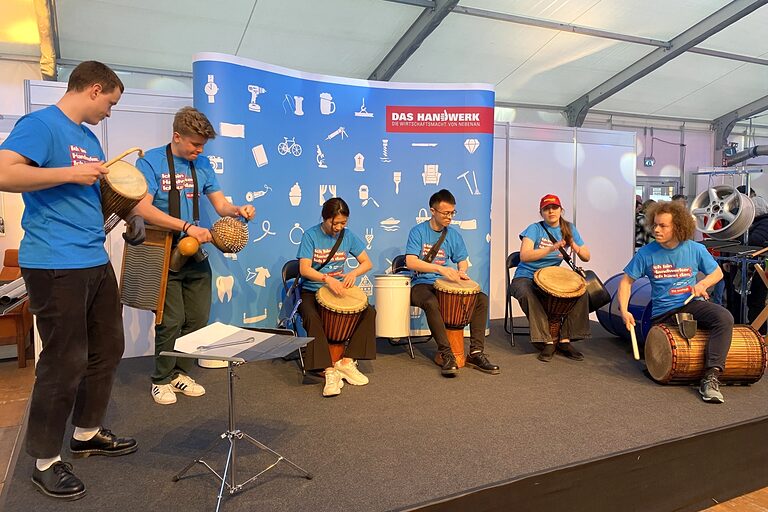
(488,237)
(415,312)
(339,131)
(266,226)
(327,106)
(368,238)
(236,131)
(471,145)
(254,319)
(385,151)
(475,191)
(423,144)
(255,90)
(431,174)
(289,146)
(230,255)
(294,104)
(362,193)
(359,159)
(320,158)
(224,286)
(390,224)
(211,89)
(326,188)
(295,194)
(255,194)
(295,230)
(397,177)
(259,155)
(366,286)
(465,224)
(423,216)
(259,275)
(363,112)
(217,162)
(352,262)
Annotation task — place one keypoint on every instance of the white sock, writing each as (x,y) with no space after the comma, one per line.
(43,464)
(85,434)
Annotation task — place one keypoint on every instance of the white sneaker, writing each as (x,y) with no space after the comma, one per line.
(350,373)
(187,385)
(333,383)
(163,394)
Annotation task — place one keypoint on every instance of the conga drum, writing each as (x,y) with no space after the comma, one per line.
(341,315)
(671,359)
(121,189)
(457,302)
(558,289)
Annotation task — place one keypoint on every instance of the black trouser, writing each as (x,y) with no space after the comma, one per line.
(423,296)
(79,318)
(187,308)
(317,355)
(576,323)
(717,320)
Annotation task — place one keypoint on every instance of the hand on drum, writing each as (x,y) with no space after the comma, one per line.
(202,235)
(557,246)
(450,273)
(700,290)
(337,287)
(87,174)
(349,280)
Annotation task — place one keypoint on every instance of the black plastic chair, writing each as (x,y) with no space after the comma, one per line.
(513,260)
(291,271)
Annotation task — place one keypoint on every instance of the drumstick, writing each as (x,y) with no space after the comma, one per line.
(124,154)
(635,351)
(689,299)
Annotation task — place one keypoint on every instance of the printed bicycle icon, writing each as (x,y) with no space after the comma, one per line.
(289,146)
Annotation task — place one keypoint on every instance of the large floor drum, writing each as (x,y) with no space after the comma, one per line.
(639,306)
(671,359)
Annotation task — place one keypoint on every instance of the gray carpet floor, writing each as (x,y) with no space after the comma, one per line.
(409,437)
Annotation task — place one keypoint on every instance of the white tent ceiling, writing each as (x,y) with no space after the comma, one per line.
(529,62)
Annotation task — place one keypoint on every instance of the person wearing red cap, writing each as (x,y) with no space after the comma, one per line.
(537,250)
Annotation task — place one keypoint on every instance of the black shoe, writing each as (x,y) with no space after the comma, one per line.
(59,482)
(449,367)
(568,351)
(479,361)
(103,443)
(546,353)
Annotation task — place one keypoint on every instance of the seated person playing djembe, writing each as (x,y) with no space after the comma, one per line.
(539,252)
(331,306)
(429,266)
(671,263)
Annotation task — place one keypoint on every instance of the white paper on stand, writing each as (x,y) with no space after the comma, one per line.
(218,339)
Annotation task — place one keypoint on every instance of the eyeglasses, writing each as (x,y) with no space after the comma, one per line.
(444,214)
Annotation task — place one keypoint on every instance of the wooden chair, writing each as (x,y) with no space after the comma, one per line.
(15,323)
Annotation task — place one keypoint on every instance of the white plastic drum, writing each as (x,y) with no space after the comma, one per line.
(393,305)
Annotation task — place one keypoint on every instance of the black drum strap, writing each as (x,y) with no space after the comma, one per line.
(433,251)
(174,195)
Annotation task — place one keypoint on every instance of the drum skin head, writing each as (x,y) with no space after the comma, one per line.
(353,301)
(126,180)
(658,354)
(560,282)
(465,286)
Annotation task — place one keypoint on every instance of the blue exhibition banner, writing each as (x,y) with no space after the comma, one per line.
(288,141)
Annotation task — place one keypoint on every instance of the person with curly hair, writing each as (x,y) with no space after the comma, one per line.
(671,263)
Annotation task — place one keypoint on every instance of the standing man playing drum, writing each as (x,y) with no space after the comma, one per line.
(188,292)
(421,239)
(537,251)
(671,263)
(317,245)
(56,163)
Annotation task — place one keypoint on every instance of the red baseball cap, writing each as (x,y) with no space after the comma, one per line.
(549,200)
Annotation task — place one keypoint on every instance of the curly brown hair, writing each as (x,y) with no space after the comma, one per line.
(190,121)
(682,220)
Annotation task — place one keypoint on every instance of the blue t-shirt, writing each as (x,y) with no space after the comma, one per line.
(672,272)
(154,166)
(316,245)
(63,225)
(540,238)
(421,239)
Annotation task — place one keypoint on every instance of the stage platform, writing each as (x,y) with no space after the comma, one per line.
(595,435)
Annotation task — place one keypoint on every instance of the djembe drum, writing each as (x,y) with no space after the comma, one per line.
(558,289)
(671,359)
(229,235)
(456,300)
(121,189)
(341,315)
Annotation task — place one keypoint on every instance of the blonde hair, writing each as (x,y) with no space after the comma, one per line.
(190,121)
(682,220)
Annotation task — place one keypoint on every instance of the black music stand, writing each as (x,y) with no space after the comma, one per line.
(236,346)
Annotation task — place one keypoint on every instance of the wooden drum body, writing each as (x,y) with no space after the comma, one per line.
(558,289)
(671,359)
(121,190)
(341,315)
(457,302)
